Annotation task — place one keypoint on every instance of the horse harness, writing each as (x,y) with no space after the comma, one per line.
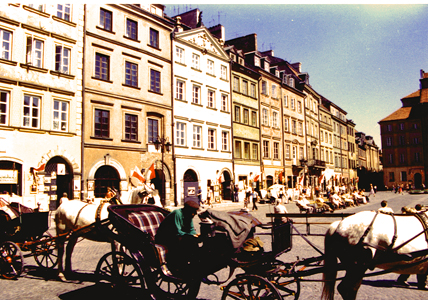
(366,232)
(97,212)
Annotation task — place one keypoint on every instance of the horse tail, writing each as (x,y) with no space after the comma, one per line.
(330,264)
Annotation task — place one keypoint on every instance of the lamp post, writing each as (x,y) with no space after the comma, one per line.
(163,144)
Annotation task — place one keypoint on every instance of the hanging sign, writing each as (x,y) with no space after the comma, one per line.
(60,169)
(8,176)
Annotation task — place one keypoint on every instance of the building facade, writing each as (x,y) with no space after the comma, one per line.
(202,111)
(127,98)
(41,102)
(404,140)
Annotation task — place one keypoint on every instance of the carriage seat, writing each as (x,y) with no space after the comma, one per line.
(149,222)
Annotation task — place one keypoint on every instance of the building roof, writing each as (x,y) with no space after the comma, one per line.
(400,114)
(412,95)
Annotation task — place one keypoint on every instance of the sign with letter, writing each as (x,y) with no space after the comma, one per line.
(8,176)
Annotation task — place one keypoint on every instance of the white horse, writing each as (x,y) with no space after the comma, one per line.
(141,194)
(74,214)
(367,240)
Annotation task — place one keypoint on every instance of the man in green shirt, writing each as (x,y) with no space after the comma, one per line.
(178,234)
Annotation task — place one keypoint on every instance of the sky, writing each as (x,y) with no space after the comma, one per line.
(363,58)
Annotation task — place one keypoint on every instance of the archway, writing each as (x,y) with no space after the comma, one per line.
(106,176)
(226,190)
(269,181)
(58,180)
(190,184)
(418,180)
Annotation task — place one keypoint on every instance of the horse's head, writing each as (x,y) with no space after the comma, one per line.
(115,196)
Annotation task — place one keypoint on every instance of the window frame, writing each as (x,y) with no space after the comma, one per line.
(197,136)
(211,138)
(4,107)
(179,55)
(131,30)
(61,114)
(8,42)
(60,57)
(196,94)
(131,127)
(238,149)
(265,117)
(225,141)
(153,132)
(104,22)
(255,151)
(31,108)
(275,150)
(210,67)
(253,118)
(237,114)
(224,103)
(265,149)
(180,134)
(99,132)
(196,61)
(99,57)
(63,12)
(32,52)
(252,90)
(286,128)
(132,74)
(155,81)
(246,116)
(180,90)
(154,38)
(211,98)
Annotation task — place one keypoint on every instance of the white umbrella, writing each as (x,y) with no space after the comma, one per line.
(276,186)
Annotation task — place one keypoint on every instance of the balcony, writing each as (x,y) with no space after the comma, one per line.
(316,163)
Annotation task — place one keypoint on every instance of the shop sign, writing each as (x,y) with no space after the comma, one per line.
(8,176)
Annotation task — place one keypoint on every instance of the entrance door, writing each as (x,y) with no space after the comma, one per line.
(191,185)
(58,180)
(106,176)
(225,185)
(418,180)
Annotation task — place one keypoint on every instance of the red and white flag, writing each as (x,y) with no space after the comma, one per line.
(40,168)
(220,178)
(257,176)
(301,180)
(152,171)
(137,174)
(321,178)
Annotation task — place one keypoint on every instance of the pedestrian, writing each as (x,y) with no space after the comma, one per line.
(280,209)
(371,191)
(400,189)
(64,198)
(247,196)
(255,197)
(209,197)
(199,196)
(236,193)
(384,208)
(375,189)
(393,188)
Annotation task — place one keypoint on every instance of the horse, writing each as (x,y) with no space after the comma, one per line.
(141,194)
(372,239)
(72,215)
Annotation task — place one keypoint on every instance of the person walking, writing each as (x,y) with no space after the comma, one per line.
(255,197)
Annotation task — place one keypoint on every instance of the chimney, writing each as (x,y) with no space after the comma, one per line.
(178,24)
(219,32)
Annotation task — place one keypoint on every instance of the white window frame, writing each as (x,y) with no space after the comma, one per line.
(211,99)
(196,61)
(275,150)
(224,72)
(286,101)
(245,87)
(63,10)
(4,107)
(196,94)
(253,90)
(265,149)
(180,134)
(179,55)
(236,84)
(62,59)
(292,104)
(35,51)
(211,139)
(275,119)
(287,151)
(274,91)
(197,136)
(255,151)
(293,127)
(210,67)
(286,124)
(224,140)
(6,52)
(265,88)
(180,89)
(60,116)
(224,103)
(265,117)
(256,61)
(31,110)
(299,128)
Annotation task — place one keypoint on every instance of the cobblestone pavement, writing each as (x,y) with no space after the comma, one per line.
(37,284)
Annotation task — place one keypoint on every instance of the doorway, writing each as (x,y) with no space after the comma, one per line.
(106,176)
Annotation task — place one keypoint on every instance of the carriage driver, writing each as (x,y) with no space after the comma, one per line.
(178,234)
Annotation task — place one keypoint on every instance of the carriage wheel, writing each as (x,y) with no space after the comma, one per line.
(121,273)
(288,287)
(250,287)
(46,253)
(12,261)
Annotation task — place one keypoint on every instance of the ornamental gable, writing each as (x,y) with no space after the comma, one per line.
(202,38)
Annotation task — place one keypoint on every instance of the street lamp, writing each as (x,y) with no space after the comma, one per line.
(163,144)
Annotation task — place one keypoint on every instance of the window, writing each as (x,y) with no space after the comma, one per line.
(276,150)
(6,43)
(131,74)
(292,104)
(391,158)
(31,111)
(287,151)
(401,126)
(293,127)
(415,126)
(247,150)
(274,90)
(245,87)
(389,141)
(286,101)
(34,52)
(264,88)
(237,114)
(62,59)
(60,115)
(294,152)
(391,177)
(415,140)
(257,61)
(154,38)
(417,157)
(291,82)
(102,66)
(401,140)
(225,140)
(106,19)
(152,130)
(155,84)
(299,106)
(211,99)
(180,134)
(300,128)
(179,55)
(285,124)
(210,67)
(246,116)
(403,175)
(197,136)
(238,150)
(4,107)
(402,158)
(224,103)
(253,90)
(131,127)
(131,29)
(195,61)
(265,148)
(102,123)
(254,118)
(265,118)
(389,127)
(179,90)
(301,153)
(255,151)
(275,119)
(224,72)
(236,84)
(267,66)
(211,139)
(38,7)
(195,94)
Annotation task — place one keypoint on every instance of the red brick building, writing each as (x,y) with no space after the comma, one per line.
(404,135)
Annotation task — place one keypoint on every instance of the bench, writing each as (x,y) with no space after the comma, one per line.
(149,222)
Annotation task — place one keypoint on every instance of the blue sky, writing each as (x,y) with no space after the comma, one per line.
(364,58)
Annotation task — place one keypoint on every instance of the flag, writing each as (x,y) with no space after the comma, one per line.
(221,178)
(358,179)
(257,177)
(40,168)
(321,178)
(280,176)
(301,180)
(152,171)
(137,174)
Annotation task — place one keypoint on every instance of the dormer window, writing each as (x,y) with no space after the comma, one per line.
(267,68)
(256,61)
(284,79)
(233,57)
(241,61)
(276,73)
(291,82)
